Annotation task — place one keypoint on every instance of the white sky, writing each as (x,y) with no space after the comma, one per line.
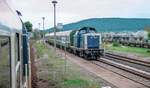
(69,11)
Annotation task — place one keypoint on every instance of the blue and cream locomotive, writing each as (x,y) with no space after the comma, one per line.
(84,42)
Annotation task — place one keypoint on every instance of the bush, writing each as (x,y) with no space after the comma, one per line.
(116,44)
(149,35)
(148,51)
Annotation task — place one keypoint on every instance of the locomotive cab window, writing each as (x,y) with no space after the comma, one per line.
(92,31)
(5,65)
(82,32)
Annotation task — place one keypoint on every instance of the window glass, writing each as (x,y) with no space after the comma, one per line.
(82,32)
(4,62)
(17,48)
(17,57)
(91,31)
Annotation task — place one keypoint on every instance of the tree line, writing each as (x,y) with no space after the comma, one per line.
(36,33)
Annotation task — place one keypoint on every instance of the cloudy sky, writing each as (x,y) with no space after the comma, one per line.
(69,11)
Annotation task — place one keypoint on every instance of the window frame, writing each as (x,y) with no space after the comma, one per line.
(18,60)
(9,59)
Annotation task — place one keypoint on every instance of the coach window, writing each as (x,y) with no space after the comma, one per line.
(17,57)
(17,48)
(5,73)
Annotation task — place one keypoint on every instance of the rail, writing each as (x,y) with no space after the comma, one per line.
(108,60)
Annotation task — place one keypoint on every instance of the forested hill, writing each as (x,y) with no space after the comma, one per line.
(111,24)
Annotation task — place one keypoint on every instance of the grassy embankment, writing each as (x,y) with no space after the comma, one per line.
(61,74)
(127,49)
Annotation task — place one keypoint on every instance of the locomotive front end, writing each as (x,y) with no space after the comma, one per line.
(93,45)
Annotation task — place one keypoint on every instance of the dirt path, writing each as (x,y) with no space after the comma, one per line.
(36,81)
(33,67)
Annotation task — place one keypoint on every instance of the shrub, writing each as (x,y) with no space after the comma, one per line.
(148,51)
(149,35)
(116,44)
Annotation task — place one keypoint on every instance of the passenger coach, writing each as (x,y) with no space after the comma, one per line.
(13,73)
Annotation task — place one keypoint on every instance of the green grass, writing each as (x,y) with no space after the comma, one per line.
(40,49)
(62,74)
(75,82)
(140,51)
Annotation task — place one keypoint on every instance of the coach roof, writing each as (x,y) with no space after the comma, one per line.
(9,20)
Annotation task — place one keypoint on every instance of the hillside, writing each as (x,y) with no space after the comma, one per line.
(111,24)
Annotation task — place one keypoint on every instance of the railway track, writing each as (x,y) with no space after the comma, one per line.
(132,60)
(137,67)
(129,65)
(124,73)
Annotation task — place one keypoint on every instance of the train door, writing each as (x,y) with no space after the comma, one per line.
(5,62)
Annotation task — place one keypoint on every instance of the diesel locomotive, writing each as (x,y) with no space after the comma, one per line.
(84,42)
